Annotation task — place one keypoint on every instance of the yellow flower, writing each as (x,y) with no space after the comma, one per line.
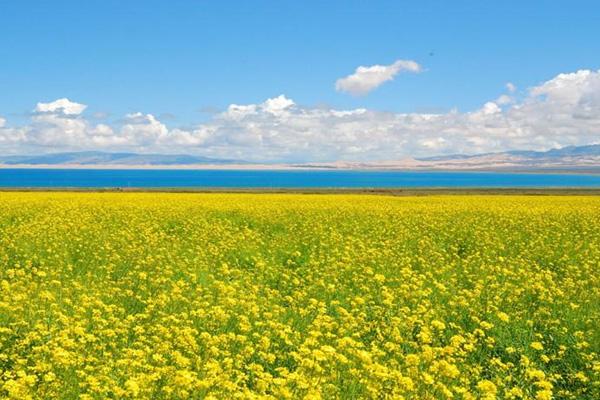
(440,326)
(537,346)
(502,316)
(132,387)
(487,388)
(544,395)
(412,359)
(515,393)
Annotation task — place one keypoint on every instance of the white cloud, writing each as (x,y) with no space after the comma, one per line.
(504,100)
(510,87)
(569,89)
(64,106)
(143,130)
(489,108)
(365,79)
(564,110)
(277,105)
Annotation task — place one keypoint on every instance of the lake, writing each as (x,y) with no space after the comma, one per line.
(95,178)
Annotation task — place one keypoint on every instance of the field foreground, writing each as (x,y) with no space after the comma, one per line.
(157,295)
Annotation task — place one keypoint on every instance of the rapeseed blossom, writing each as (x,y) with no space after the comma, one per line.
(280,296)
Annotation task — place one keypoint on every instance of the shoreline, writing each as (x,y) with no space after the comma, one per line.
(424,191)
(583,170)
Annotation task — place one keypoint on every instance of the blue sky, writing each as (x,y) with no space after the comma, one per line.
(181,61)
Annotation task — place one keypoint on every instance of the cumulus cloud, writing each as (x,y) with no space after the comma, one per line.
(564,110)
(510,87)
(64,106)
(277,105)
(366,79)
(143,129)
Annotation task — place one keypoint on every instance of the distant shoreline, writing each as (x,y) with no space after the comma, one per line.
(317,191)
(584,170)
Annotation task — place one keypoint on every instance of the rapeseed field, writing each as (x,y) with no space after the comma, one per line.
(281,296)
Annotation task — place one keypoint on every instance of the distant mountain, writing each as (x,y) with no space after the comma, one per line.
(571,158)
(569,151)
(101,158)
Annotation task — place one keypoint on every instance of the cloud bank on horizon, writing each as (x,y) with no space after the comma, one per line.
(564,110)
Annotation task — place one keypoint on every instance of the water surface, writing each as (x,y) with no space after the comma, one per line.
(95,178)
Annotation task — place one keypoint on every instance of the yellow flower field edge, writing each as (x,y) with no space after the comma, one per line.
(281,296)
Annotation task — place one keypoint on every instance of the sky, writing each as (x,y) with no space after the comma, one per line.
(283,81)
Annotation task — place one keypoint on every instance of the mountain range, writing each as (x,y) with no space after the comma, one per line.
(102,158)
(580,158)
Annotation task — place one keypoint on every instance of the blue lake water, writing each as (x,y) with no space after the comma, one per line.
(82,178)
